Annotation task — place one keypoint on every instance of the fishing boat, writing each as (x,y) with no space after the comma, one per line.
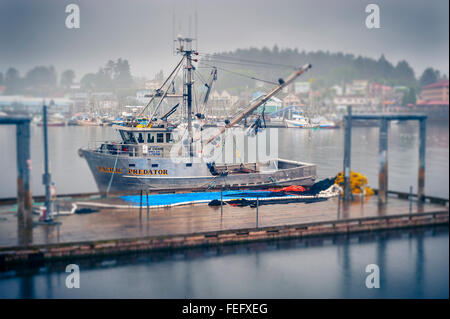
(300,121)
(53,120)
(88,121)
(323,122)
(143,158)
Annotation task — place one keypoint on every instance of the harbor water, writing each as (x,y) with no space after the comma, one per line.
(413,263)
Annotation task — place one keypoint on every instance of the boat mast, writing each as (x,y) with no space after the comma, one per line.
(185,48)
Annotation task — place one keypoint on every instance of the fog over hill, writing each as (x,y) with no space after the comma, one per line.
(34,33)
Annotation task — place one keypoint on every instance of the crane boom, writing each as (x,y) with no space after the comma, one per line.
(260,102)
(212,78)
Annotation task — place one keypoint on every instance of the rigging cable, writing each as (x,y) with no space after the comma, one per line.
(202,79)
(241,74)
(219,56)
(243,63)
(154,95)
(168,87)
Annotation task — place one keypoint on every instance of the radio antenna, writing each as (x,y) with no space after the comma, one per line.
(196,29)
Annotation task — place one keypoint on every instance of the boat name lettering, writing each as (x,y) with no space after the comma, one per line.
(132,171)
(109,170)
(146,171)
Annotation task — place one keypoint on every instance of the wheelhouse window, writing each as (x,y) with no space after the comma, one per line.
(150,138)
(169,138)
(160,138)
(141,138)
(128,137)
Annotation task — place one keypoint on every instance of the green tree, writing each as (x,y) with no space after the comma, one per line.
(429,76)
(404,73)
(87,82)
(122,75)
(102,79)
(40,76)
(67,78)
(409,97)
(13,81)
(335,67)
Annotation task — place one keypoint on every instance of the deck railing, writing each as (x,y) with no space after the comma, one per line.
(131,150)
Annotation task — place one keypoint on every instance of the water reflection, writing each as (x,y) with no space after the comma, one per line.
(327,267)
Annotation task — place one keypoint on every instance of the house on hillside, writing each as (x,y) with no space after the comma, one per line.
(435,94)
(272,105)
(291,99)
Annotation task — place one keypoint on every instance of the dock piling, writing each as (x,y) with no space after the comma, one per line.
(24,199)
(422,146)
(339,205)
(257,211)
(140,205)
(46,177)
(383,157)
(221,201)
(410,199)
(347,154)
(148,207)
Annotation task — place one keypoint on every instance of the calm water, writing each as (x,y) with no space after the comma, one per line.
(413,264)
(322,147)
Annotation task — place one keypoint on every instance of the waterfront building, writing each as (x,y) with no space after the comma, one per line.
(357,101)
(357,87)
(435,94)
(379,90)
(19,103)
(291,99)
(140,95)
(152,85)
(339,90)
(272,105)
(220,103)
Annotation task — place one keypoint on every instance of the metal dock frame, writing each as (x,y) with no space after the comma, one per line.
(383,150)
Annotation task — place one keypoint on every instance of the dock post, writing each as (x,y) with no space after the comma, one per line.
(257,210)
(422,145)
(140,205)
(221,202)
(383,173)
(410,199)
(148,208)
(347,153)
(47,176)
(339,206)
(24,199)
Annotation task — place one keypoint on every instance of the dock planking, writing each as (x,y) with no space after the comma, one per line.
(130,222)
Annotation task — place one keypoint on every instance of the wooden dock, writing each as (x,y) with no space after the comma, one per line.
(120,231)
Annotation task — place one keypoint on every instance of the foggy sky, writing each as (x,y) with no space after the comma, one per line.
(33,32)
